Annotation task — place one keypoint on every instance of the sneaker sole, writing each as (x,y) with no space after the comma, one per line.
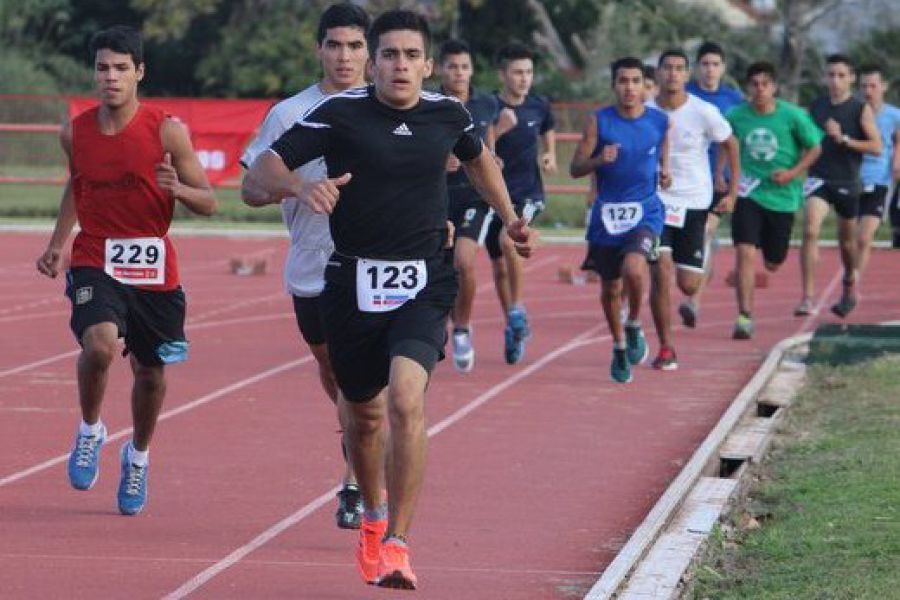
(669,367)
(688,317)
(396,581)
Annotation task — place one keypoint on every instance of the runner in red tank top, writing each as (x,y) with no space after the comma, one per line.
(129,164)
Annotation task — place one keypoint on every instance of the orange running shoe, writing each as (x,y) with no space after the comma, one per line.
(368,550)
(393,567)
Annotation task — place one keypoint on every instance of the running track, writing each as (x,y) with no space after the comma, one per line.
(536,474)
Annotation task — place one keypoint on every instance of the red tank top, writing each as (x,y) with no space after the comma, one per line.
(118,202)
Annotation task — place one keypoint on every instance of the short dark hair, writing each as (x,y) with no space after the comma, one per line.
(674,52)
(838,59)
(121,39)
(511,52)
(649,72)
(399,20)
(627,62)
(710,48)
(872,69)
(453,47)
(342,14)
(762,67)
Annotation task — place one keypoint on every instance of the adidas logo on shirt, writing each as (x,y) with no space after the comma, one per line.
(402,130)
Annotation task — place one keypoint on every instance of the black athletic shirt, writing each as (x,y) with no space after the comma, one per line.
(395,205)
(484,109)
(838,163)
(519,148)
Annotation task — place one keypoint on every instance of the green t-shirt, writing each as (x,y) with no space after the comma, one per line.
(774,142)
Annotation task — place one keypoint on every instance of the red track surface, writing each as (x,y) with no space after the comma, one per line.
(528,494)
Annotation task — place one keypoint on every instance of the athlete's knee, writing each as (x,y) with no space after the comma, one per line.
(99,350)
(610,289)
(464,262)
(365,418)
(689,281)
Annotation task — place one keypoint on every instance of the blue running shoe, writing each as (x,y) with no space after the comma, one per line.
(518,320)
(620,369)
(133,486)
(637,349)
(514,348)
(84,461)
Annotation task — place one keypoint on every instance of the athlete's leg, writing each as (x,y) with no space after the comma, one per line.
(611,301)
(868,226)
(712,226)
(513,269)
(464,256)
(366,432)
(847,236)
(813,214)
(147,394)
(688,280)
(634,270)
(98,351)
(408,441)
(744,286)
(501,283)
(660,300)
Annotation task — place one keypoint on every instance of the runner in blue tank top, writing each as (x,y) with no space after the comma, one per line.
(625,147)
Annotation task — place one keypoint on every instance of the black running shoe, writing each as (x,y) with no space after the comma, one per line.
(350,508)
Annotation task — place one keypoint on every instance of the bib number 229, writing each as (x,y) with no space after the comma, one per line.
(136,261)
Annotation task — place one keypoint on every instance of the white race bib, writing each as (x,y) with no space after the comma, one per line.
(811,185)
(386,285)
(746,184)
(136,261)
(621,217)
(675,215)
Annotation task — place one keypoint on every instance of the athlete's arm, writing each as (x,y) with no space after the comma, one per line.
(785,176)
(872,143)
(485,175)
(665,175)
(506,121)
(582,161)
(269,181)
(48,262)
(895,163)
(548,158)
(181,174)
(730,148)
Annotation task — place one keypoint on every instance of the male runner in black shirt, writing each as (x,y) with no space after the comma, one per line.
(850,132)
(390,284)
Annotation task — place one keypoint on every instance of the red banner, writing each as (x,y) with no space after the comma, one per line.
(220,129)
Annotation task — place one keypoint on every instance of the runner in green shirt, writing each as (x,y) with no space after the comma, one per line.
(779,141)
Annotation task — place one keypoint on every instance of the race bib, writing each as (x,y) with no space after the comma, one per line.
(811,185)
(136,261)
(675,215)
(386,285)
(746,184)
(621,217)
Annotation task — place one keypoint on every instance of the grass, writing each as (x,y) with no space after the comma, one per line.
(824,519)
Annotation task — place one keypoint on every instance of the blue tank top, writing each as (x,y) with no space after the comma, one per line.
(631,179)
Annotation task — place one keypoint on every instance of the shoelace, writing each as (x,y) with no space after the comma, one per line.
(87,446)
(134,479)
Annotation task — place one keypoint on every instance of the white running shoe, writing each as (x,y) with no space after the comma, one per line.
(463,352)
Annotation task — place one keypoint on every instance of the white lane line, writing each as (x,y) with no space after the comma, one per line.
(167,415)
(209,573)
(38,363)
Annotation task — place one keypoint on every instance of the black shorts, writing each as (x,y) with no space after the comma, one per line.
(528,207)
(873,203)
(844,197)
(309,319)
(769,230)
(471,217)
(686,243)
(607,260)
(152,323)
(361,344)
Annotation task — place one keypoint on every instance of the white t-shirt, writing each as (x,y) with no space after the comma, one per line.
(694,126)
(311,244)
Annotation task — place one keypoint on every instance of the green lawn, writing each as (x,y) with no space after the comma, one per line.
(828,500)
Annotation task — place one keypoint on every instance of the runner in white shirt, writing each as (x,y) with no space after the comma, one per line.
(342,51)
(695,124)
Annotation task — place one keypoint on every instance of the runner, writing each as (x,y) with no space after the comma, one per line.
(880,172)
(695,126)
(850,129)
(624,145)
(129,164)
(778,142)
(709,87)
(527,149)
(470,214)
(342,51)
(390,284)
